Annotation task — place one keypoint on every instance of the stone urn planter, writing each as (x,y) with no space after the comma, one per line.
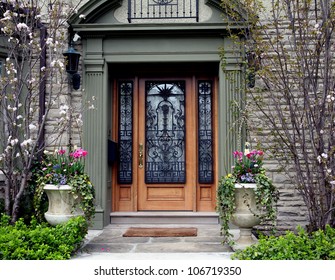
(244,215)
(61,202)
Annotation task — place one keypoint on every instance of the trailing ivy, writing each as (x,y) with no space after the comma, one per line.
(266,195)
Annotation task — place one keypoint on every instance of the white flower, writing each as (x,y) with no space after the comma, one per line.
(63,110)
(319,159)
(55,63)
(32,127)
(49,41)
(19,117)
(324,155)
(21,26)
(14,142)
(62,113)
(64,107)
(26,143)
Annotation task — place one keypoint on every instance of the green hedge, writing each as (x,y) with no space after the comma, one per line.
(40,241)
(320,245)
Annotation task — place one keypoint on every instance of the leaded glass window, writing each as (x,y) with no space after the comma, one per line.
(165,132)
(205,128)
(125,170)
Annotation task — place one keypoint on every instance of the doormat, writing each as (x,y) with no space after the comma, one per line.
(160,232)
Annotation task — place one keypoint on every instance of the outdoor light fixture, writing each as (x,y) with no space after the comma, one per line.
(253,65)
(71,62)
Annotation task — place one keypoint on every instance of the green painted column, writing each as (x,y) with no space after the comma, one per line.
(232,130)
(95,126)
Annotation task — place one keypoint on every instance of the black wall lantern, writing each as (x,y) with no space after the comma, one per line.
(253,66)
(71,62)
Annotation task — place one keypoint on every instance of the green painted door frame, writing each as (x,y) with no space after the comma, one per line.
(105,45)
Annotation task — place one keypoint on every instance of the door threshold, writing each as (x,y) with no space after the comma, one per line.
(164,217)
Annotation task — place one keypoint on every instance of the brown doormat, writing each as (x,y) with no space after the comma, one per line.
(160,232)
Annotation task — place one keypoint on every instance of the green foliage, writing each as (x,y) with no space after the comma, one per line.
(320,245)
(40,241)
(266,196)
(226,204)
(84,190)
(60,168)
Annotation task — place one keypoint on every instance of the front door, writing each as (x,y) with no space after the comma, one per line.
(166,145)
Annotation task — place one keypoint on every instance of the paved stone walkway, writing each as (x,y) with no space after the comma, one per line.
(109,243)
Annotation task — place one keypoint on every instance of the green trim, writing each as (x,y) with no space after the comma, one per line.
(94,9)
(173,28)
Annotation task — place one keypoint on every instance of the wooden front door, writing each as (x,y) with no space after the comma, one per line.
(166,149)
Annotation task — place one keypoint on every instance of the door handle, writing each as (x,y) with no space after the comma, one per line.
(140,155)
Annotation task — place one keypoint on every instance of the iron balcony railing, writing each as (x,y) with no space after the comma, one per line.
(163,9)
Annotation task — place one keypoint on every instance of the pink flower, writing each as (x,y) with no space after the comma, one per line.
(61,152)
(238,154)
(79,153)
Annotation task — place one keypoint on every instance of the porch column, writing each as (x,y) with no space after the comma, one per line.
(95,126)
(232,128)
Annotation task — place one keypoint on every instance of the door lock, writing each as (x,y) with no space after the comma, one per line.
(140,155)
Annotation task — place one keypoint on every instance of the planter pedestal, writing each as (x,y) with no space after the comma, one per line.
(61,203)
(243,216)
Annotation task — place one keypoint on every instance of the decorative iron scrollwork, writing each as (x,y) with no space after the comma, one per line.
(205,130)
(125,170)
(165,132)
(162,2)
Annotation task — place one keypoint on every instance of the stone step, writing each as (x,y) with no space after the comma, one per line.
(164,217)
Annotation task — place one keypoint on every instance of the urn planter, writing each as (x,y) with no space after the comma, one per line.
(61,204)
(244,215)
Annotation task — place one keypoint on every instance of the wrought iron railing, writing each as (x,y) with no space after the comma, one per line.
(163,9)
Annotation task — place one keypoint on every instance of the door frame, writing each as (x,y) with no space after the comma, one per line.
(203,195)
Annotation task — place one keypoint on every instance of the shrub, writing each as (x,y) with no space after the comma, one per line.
(320,245)
(40,241)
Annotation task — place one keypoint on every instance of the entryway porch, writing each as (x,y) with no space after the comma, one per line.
(109,243)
